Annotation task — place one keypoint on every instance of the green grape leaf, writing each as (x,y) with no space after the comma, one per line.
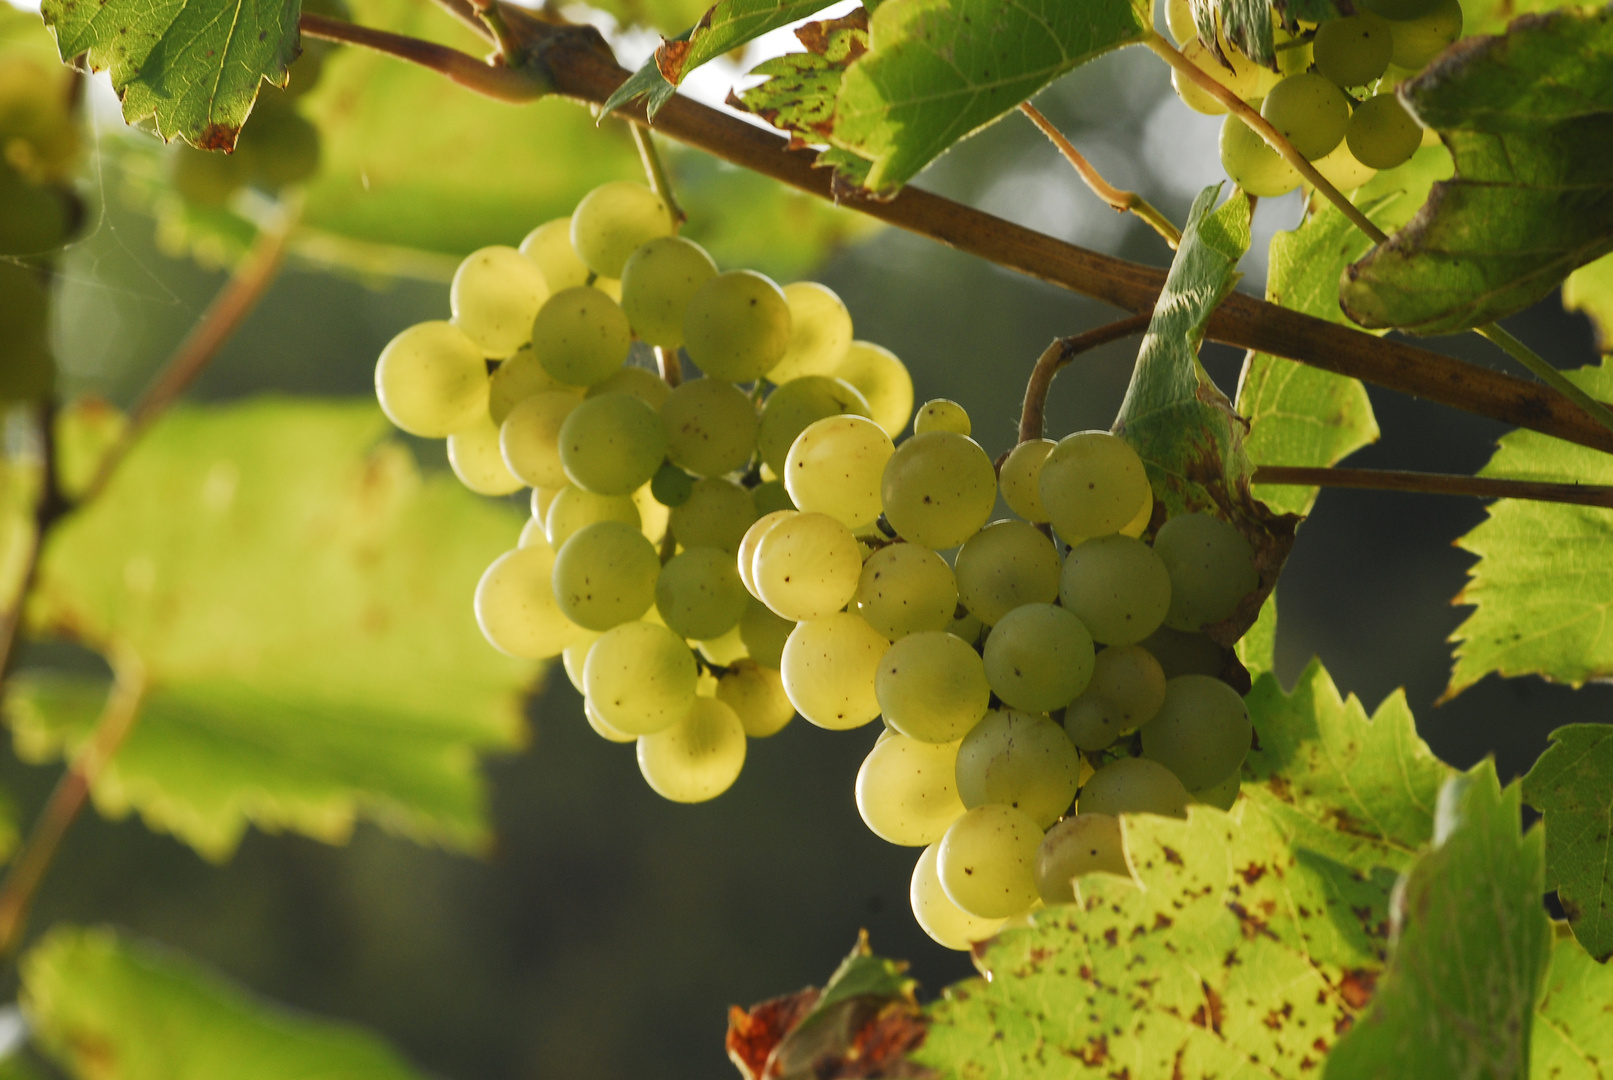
(1572,1038)
(1589,290)
(1543,587)
(1572,785)
(799,94)
(727,25)
(1360,791)
(1528,117)
(1245,24)
(298,599)
(647,83)
(104,1007)
(1257,649)
(1471,953)
(193,68)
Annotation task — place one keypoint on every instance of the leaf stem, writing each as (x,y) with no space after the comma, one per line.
(1532,360)
(655,171)
(1033,415)
(508,84)
(1483,487)
(1118,200)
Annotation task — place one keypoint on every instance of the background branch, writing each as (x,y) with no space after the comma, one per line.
(500,83)
(1483,487)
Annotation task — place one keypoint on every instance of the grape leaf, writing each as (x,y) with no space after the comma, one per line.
(1528,117)
(193,68)
(727,25)
(1245,24)
(300,602)
(1572,1038)
(1590,290)
(1572,785)
(1542,589)
(111,1009)
(1471,952)
(799,94)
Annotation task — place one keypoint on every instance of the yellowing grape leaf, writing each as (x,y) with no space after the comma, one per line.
(727,25)
(799,94)
(111,1009)
(1572,785)
(299,599)
(1573,1039)
(1590,290)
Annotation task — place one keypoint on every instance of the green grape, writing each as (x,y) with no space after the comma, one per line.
(641,678)
(710,427)
(1090,722)
(987,861)
(806,567)
(1021,760)
(737,326)
(1021,479)
(1252,164)
(764,634)
(532,535)
(1201,732)
(1343,169)
(1079,845)
(279,146)
(604,575)
(756,694)
(206,177)
(474,456)
(658,281)
(1402,11)
(725,649)
(883,381)
(834,467)
(1179,21)
(1422,35)
(699,593)
(515,380)
(431,380)
(717,514)
(542,499)
(967,626)
(1118,587)
(529,438)
(611,444)
(1005,565)
(932,686)
(602,729)
(1211,568)
(1181,653)
(574,508)
(653,516)
(829,666)
(1139,524)
(1038,658)
(1134,786)
(496,293)
(906,589)
(1222,796)
(1381,133)
(1309,111)
(947,924)
(642,383)
(671,486)
(747,546)
(941,414)
(613,220)
(1242,78)
(771,496)
(27,368)
(1092,484)
(820,332)
(549,247)
(1353,51)
(797,404)
(905,790)
(581,336)
(696,759)
(1127,689)
(575,656)
(938,489)
(516,609)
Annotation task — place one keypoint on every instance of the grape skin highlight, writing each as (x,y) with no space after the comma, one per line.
(806,567)
(1092,484)
(516,608)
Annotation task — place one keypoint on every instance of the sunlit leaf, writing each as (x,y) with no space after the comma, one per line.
(1572,1038)
(1590,290)
(727,25)
(1572,785)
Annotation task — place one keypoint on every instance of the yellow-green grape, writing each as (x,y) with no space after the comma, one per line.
(1343,169)
(966,625)
(756,694)
(581,336)
(658,281)
(1038,658)
(27,367)
(532,535)
(795,405)
(602,729)
(1118,587)
(1242,78)
(653,516)
(431,380)
(542,499)
(515,380)
(696,759)
(1252,164)
(549,248)
(883,381)
(725,649)
(941,414)
(1402,10)
(575,657)
(641,677)
(932,687)
(1353,51)
(717,514)
(611,444)
(474,456)
(529,438)
(747,546)
(1221,796)
(829,666)
(806,567)
(495,295)
(699,593)
(906,589)
(710,427)
(671,486)
(947,924)
(771,496)
(1005,565)
(1127,689)
(1421,37)
(1134,786)
(1021,479)
(605,574)
(1381,133)
(737,326)
(938,489)
(764,634)
(820,332)
(1021,760)
(1201,732)
(613,220)
(1079,845)
(1139,524)
(1211,568)
(1309,111)
(643,384)
(834,467)
(1179,21)
(1092,484)
(905,790)
(516,608)
(574,508)
(987,861)
(1181,653)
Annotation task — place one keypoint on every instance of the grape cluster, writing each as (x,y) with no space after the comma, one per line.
(1331,92)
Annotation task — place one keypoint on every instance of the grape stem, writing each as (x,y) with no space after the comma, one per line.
(1032,417)
(655,172)
(1483,487)
(1118,200)
(671,368)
